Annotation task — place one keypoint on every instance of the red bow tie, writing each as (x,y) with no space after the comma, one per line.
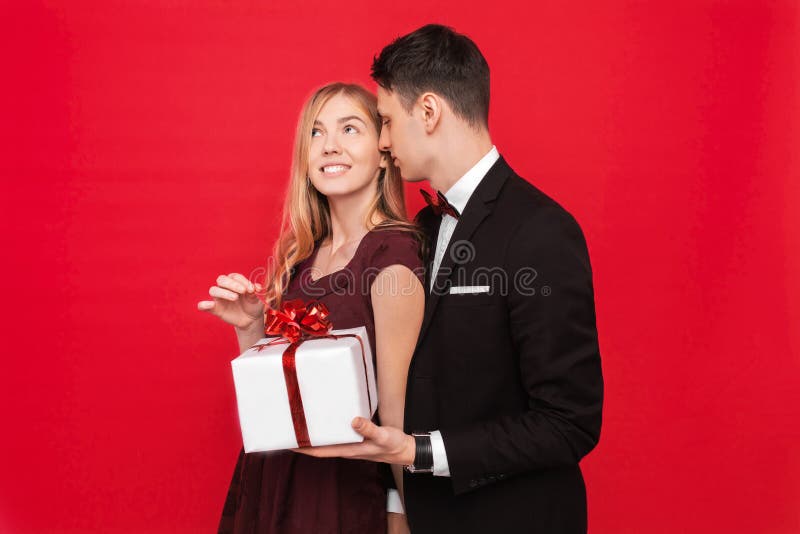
(439,204)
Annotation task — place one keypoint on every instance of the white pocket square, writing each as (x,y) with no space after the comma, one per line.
(468,290)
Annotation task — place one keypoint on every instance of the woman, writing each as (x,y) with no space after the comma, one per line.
(345,241)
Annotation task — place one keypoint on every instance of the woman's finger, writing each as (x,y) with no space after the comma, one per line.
(226,282)
(222,293)
(242,280)
(205,305)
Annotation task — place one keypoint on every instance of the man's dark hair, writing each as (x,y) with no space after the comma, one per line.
(435,58)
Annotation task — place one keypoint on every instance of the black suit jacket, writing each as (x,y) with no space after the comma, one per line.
(511,378)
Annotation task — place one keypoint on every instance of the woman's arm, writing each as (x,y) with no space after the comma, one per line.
(247,337)
(398,303)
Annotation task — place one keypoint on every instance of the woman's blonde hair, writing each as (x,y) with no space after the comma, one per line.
(306,216)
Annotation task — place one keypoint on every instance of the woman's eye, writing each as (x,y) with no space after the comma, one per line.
(350,129)
(315,132)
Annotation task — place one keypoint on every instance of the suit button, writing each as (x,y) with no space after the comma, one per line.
(473,483)
(501,476)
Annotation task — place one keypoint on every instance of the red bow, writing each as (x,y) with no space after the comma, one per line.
(296,320)
(439,204)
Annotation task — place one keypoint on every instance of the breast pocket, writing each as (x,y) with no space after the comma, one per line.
(467,299)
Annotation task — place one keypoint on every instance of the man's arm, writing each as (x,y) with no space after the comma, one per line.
(555,335)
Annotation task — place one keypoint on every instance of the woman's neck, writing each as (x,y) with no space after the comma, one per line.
(348,218)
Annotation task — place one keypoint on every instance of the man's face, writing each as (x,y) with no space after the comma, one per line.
(403,135)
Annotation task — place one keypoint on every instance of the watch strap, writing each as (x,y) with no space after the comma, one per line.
(423,455)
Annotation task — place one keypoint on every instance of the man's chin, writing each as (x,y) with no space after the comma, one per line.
(411,180)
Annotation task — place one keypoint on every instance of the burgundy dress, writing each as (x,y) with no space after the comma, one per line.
(283,492)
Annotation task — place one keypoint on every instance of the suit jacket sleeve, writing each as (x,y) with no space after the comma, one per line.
(555,337)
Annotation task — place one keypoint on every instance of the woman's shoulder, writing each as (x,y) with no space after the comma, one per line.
(394,238)
(390,246)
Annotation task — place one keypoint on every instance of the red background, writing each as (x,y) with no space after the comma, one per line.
(145,151)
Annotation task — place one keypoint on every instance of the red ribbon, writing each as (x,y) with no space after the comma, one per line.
(295,323)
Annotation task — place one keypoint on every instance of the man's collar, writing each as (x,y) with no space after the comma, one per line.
(458,195)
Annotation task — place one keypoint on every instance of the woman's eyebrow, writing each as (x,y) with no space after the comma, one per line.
(350,118)
(343,120)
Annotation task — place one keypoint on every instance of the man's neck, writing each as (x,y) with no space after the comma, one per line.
(458,155)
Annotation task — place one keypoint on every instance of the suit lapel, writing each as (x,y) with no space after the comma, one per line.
(477,209)
(431,229)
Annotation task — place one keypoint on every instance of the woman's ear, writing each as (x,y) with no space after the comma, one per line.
(384,163)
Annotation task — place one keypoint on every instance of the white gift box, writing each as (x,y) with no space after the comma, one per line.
(332,384)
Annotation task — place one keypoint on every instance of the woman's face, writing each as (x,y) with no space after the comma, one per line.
(343,157)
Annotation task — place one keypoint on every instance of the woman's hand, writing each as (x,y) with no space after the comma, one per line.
(235,301)
(397,523)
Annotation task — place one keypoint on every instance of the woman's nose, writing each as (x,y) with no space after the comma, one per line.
(331,145)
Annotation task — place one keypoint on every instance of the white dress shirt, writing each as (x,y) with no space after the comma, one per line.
(458,196)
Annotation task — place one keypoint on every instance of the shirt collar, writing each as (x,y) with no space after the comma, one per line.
(458,195)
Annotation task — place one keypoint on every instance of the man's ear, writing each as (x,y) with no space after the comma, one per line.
(431,106)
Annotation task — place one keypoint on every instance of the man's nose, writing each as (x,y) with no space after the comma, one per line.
(383,140)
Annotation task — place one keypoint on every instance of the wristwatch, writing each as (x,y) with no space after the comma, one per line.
(423,456)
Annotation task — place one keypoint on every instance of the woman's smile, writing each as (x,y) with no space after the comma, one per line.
(336,169)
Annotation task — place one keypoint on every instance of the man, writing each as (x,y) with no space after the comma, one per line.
(505,388)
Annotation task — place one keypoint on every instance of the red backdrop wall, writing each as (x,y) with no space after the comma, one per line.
(145,151)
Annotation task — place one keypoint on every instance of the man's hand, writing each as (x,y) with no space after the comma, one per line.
(381,444)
